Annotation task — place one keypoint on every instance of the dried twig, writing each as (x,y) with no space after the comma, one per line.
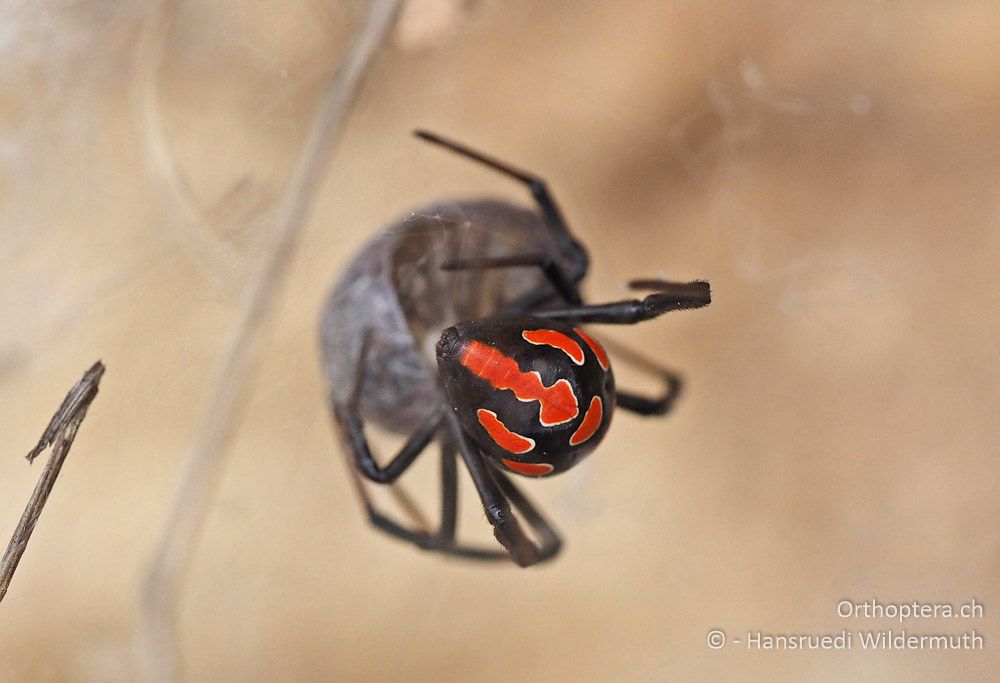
(59,434)
(204,463)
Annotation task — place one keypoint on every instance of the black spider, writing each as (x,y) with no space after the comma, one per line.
(518,386)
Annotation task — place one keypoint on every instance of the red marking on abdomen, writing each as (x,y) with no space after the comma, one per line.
(557,340)
(506,439)
(591,421)
(529,468)
(557,402)
(602,355)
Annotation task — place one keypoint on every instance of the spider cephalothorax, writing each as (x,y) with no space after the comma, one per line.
(519,387)
(535,395)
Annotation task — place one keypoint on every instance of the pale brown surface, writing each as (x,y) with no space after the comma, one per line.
(832,168)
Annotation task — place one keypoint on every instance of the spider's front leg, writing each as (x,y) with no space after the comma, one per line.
(670,296)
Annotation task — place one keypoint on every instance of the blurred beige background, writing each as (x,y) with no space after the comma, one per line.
(832,168)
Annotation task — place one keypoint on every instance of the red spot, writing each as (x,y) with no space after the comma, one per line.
(506,439)
(591,421)
(529,468)
(557,403)
(557,340)
(602,355)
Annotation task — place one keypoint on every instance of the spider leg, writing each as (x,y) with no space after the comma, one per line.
(550,541)
(642,405)
(679,296)
(352,428)
(496,498)
(443,540)
(660,405)
(668,296)
(363,463)
(553,217)
(449,495)
(562,284)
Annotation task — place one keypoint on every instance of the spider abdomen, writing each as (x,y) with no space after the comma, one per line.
(535,395)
